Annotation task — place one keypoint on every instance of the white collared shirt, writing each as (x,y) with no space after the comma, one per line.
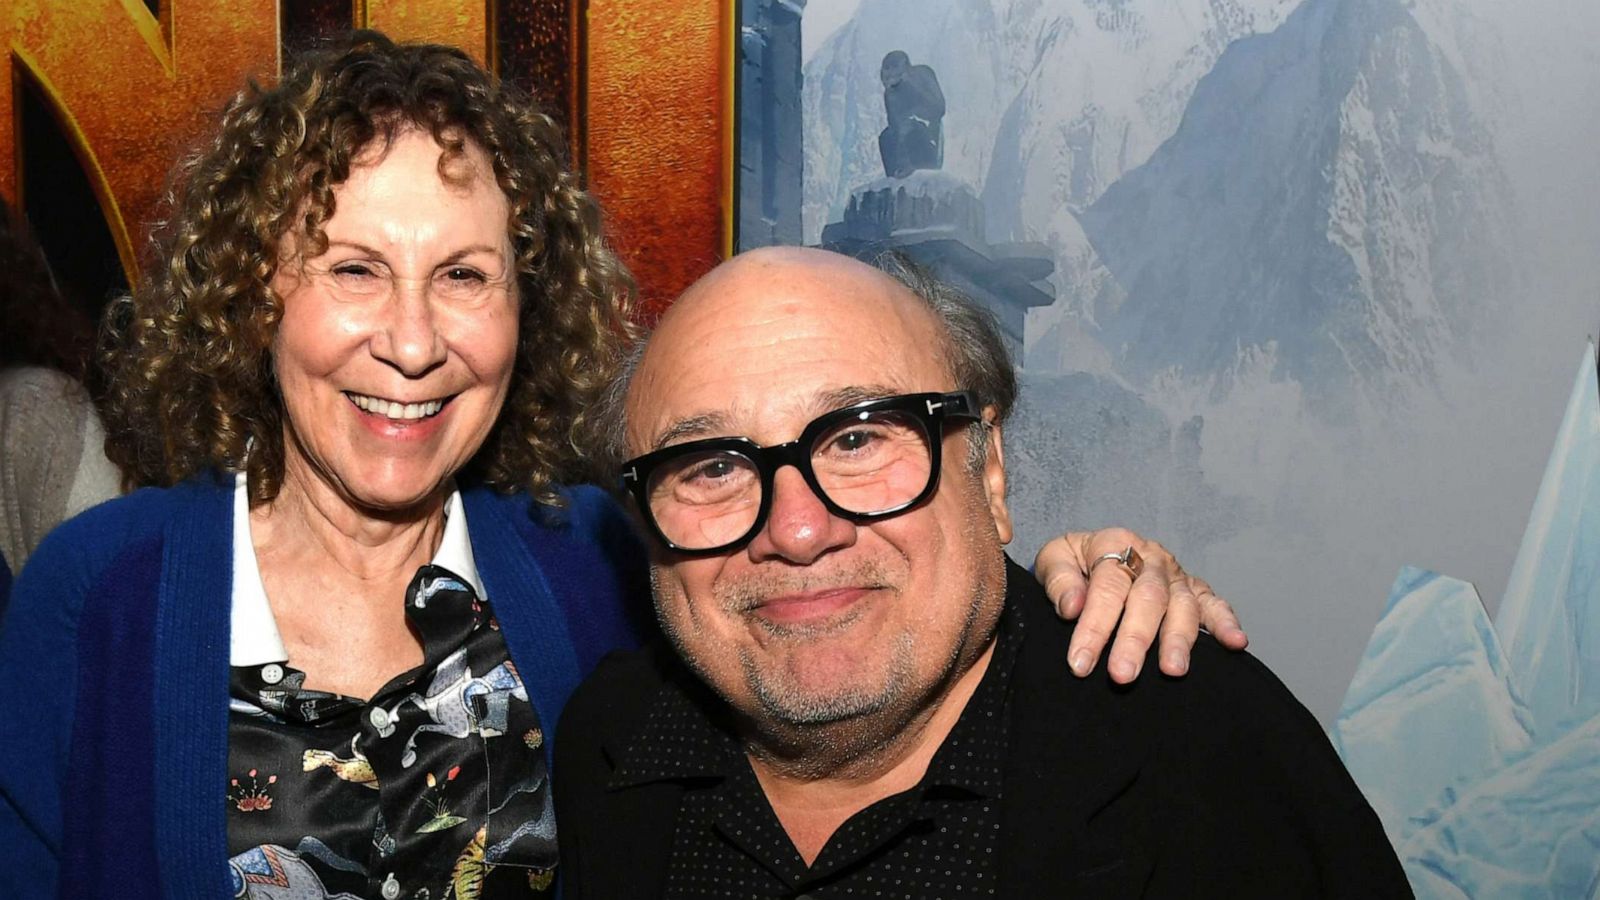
(254,638)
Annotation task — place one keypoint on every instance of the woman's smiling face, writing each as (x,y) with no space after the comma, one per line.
(396,346)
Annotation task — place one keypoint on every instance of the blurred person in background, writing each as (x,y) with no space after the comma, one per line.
(52,448)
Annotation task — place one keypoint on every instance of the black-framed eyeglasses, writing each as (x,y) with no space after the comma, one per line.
(864,462)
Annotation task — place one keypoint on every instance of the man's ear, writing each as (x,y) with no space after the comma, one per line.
(994,475)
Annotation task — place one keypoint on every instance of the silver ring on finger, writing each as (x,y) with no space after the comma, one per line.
(1129,559)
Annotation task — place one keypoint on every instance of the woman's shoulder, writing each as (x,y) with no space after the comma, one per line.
(93,538)
(581,510)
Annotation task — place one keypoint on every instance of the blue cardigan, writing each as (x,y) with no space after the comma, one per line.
(114,674)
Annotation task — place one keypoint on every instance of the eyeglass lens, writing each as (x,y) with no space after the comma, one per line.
(872,463)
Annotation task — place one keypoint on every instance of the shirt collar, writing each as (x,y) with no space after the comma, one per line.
(254,639)
(455,547)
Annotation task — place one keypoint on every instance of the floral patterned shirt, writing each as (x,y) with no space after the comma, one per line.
(434,788)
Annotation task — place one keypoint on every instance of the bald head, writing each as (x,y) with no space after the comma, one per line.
(798,281)
(767,319)
(794,288)
(780,262)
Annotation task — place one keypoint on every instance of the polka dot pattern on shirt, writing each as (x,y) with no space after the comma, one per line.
(938,839)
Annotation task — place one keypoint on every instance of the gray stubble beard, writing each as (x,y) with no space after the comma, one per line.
(818,737)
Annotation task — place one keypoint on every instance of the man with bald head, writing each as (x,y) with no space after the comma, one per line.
(866,697)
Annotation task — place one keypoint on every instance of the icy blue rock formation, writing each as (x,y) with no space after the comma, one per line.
(1530,830)
(1480,747)
(1433,668)
(1549,621)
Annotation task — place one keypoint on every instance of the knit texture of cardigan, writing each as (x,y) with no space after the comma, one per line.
(114,674)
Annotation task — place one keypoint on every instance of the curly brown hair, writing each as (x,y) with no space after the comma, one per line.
(189,351)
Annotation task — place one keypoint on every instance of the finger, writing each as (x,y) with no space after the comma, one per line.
(1141,621)
(1102,607)
(1180,628)
(1218,617)
(1105,595)
(1059,567)
(1096,544)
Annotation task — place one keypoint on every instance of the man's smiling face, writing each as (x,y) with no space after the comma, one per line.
(818,620)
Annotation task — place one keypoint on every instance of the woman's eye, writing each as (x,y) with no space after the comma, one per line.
(461,273)
(356,270)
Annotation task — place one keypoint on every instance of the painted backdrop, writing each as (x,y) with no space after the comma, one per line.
(1309,277)
(1298,286)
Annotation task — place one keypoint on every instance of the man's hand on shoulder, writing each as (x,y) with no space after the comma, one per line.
(1087,580)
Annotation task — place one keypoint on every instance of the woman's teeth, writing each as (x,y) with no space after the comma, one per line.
(395,410)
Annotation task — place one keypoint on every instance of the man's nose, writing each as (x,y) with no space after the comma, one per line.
(409,337)
(799,528)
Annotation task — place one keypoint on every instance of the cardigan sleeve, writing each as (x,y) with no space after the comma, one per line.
(617,538)
(39,671)
(38,684)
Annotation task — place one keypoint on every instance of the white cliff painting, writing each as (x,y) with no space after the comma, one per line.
(1295,285)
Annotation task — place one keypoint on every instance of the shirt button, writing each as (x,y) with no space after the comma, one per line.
(391,887)
(378,718)
(272,673)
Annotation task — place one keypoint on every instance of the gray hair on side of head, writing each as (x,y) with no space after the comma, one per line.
(611,417)
(975,351)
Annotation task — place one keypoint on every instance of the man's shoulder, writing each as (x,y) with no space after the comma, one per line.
(1222,773)
(616,698)
(1229,715)
(1218,678)
(599,823)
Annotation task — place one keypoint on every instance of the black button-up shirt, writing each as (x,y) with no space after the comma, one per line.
(436,786)
(938,839)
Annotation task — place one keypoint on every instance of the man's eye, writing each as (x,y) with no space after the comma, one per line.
(711,470)
(853,441)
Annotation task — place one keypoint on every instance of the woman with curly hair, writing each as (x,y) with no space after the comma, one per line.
(325,650)
(322,656)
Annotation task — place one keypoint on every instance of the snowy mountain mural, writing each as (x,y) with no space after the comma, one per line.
(1309,261)
(1332,201)
(1331,197)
